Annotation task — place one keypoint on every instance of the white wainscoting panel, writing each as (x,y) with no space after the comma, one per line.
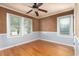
(53,37)
(76,46)
(6,42)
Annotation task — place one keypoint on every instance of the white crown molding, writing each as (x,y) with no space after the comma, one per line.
(8,47)
(15,10)
(49,14)
(60,11)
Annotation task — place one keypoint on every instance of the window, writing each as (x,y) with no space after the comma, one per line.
(17,25)
(65,25)
(26,26)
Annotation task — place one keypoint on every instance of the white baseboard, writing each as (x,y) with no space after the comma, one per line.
(12,42)
(32,41)
(61,44)
(18,44)
(57,42)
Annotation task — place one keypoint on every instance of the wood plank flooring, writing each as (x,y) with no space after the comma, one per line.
(39,48)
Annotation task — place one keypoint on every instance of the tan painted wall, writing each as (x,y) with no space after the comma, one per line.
(44,24)
(77,20)
(3,12)
(50,23)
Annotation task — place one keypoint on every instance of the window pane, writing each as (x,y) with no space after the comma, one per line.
(18,25)
(27,25)
(65,25)
(14,25)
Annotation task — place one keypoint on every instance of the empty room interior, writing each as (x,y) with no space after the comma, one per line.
(39,29)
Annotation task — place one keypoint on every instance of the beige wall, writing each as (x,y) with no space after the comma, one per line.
(77,20)
(50,23)
(44,24)
(3,12)
(2,21)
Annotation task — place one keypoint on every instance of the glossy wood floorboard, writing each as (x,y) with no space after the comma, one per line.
(39,48)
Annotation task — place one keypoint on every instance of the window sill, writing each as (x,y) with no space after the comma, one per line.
(16,36)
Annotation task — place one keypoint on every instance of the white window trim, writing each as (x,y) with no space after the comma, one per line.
(8,26)
(71,25)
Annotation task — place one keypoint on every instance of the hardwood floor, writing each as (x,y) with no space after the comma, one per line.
(39,48)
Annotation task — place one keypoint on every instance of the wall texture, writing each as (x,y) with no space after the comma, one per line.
(44,24)
(76,27)
(3,12)
(49,24)
(2,20)
(77,20)
(36,25)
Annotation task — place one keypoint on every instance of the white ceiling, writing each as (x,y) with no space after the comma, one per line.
(52,8)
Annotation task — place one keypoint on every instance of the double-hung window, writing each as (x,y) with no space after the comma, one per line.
(65,25)
(18,26)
